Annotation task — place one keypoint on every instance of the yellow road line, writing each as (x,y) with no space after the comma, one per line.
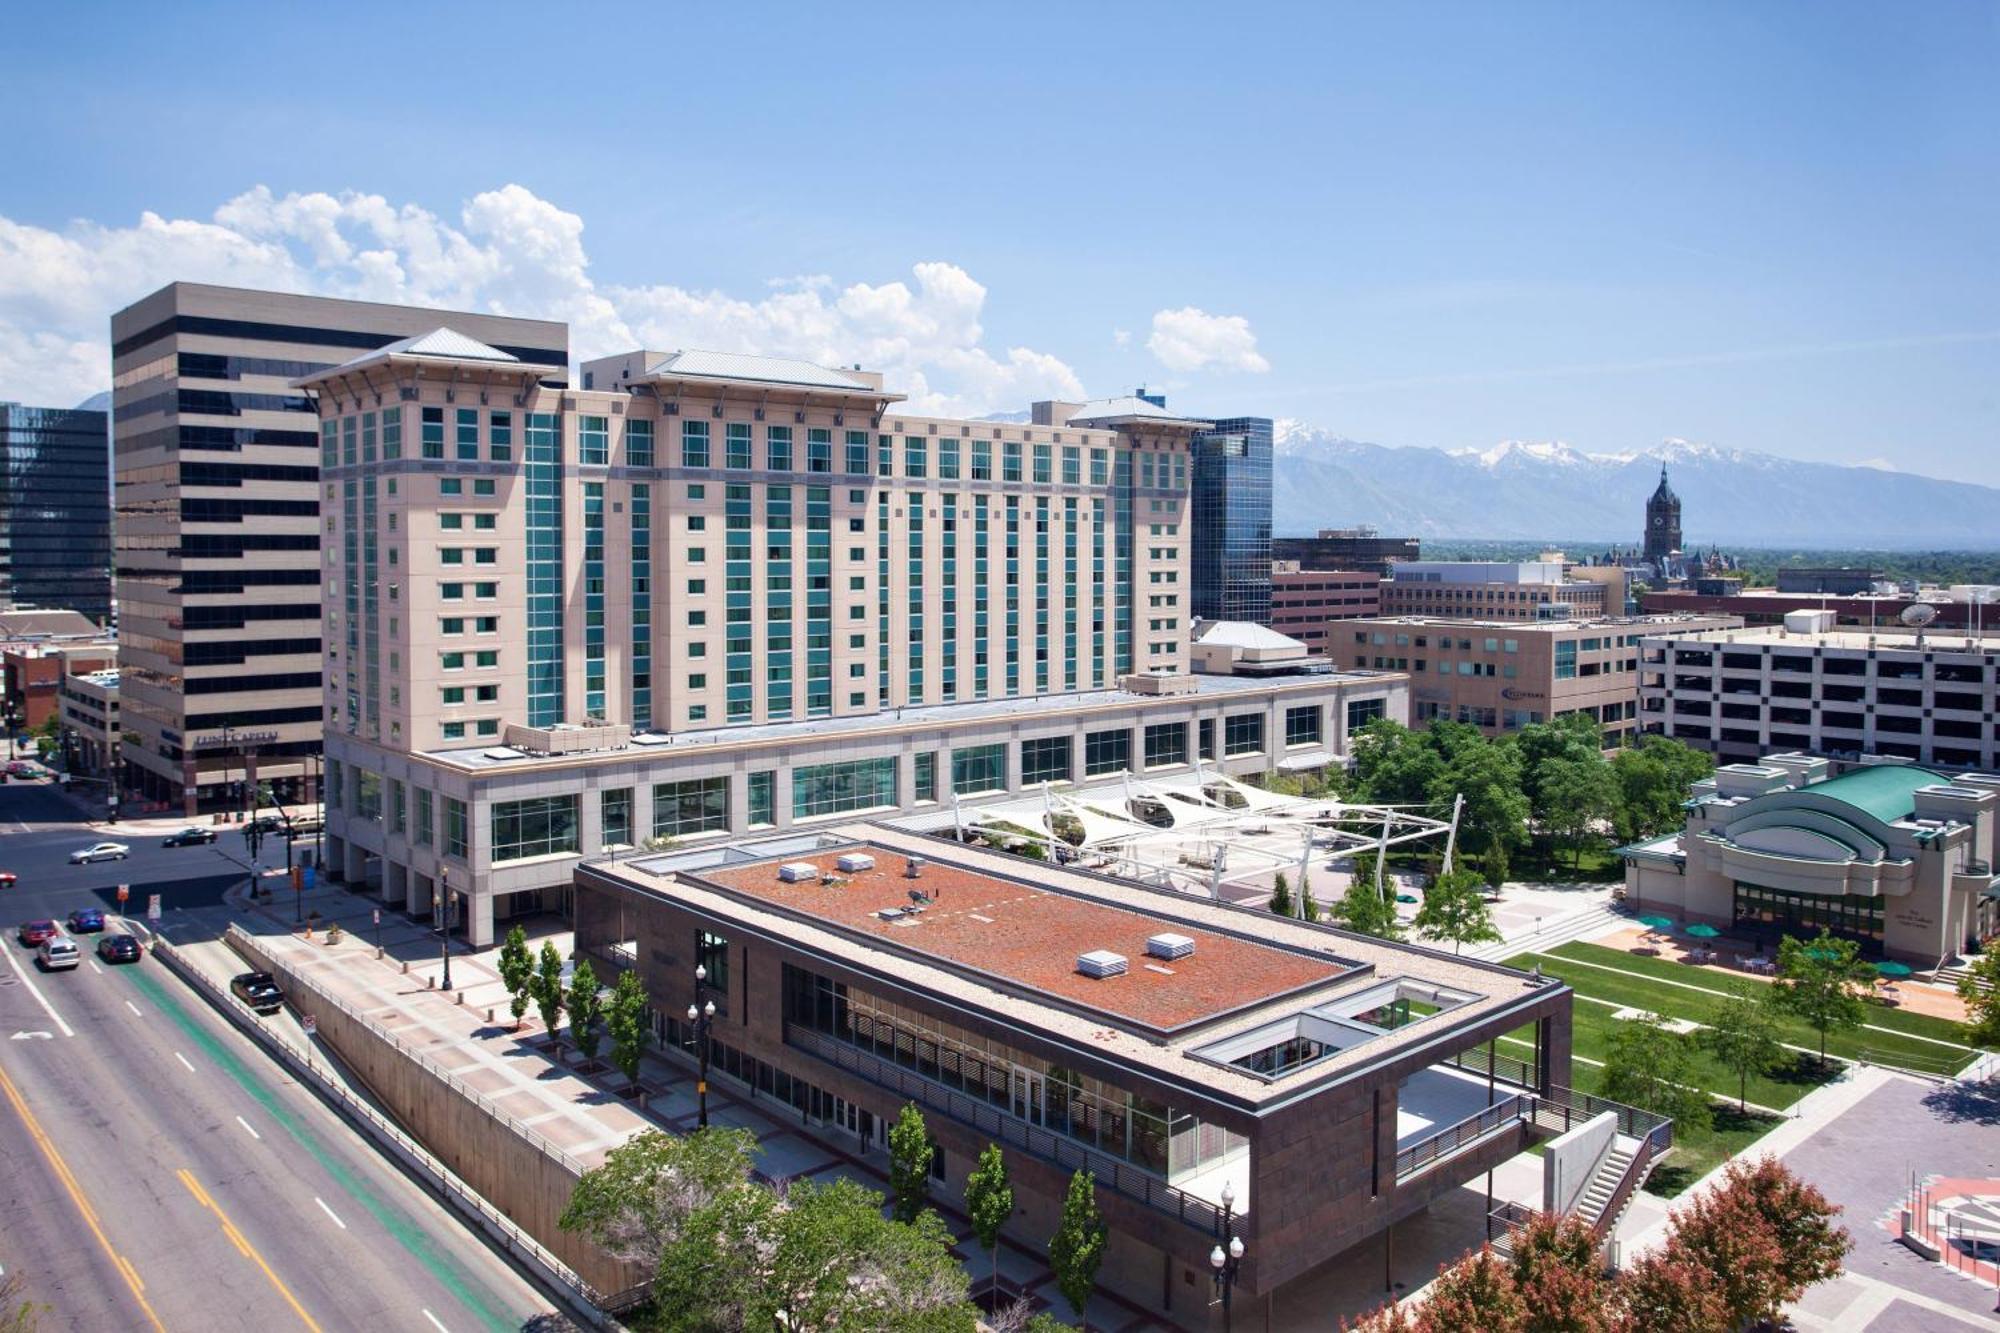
(62,1172)
(245,1248)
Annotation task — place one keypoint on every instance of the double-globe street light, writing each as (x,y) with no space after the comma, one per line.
(701,1018)
(1226,1260)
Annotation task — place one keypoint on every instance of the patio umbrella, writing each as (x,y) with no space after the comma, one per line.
(1657,922)
(1892,970)
(1703,931)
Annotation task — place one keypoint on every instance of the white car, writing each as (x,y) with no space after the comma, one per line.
(58,953)
(103,851)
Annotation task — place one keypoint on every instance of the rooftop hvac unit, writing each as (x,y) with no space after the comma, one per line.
(853,861)
(1169,946)
(798,872)
(1101,963)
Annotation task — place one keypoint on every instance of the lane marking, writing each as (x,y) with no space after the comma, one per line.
(36,991)
(68,1181)
(94,967)
(246,1124)
(329,1212)
(184,1062)
(435,1323)
(244,1247)
(134,1008)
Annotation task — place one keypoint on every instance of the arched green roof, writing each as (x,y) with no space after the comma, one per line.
(1887,791)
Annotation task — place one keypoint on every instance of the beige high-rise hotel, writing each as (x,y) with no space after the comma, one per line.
(708,593)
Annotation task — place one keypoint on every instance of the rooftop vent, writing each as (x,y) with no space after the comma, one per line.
(1101,963)
(1169,946)
(914,868)
(853,861)
(798,872)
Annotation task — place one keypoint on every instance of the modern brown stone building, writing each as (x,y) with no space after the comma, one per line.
(1503,675)
(1544,589)
(1329,1085)
(1305,601)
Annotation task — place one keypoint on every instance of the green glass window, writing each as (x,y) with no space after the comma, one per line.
(593,439)
(1243,734)
(433,432)
(923,775)
(467,434)
(540,826)
(500,436)
(614,808)
(1303,726)
(857,453)
(392,432)
(837,788)
(736,444)
(694,444)
(979,768)
(454,827)
(1046,759)
(698,805)
(1107,752)
(1166,744)
(424,817)
(639,444)
(763,799)
(778,448)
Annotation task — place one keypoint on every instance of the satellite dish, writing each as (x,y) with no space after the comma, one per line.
(1918,615)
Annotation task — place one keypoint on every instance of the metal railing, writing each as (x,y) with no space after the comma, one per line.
(1561,1109)
(1118,1176)
(428,1168)
(1503,1068)
(1428,1152)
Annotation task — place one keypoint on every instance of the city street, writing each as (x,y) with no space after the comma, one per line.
(166,1175)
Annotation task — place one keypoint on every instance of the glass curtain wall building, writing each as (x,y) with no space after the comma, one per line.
(55,509)
(1230,550)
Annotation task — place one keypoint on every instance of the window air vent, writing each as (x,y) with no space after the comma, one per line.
(1101,963)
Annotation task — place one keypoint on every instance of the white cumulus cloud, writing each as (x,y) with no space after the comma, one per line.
(1192,339)
(509,252)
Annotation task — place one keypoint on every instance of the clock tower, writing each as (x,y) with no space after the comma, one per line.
(1663,521)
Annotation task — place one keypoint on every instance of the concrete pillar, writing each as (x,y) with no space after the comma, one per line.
(395,883)
(590,821)
(354,869)
(422,897)
(335,865)
(475,914)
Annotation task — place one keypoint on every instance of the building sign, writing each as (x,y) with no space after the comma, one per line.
(236,742)
(1511,693)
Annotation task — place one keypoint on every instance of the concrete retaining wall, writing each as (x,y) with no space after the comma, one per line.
(1570,1160)
(526,1180)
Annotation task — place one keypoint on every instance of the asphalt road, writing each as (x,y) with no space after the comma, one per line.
(164,1174)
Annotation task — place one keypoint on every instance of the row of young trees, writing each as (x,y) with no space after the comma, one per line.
(537,980)
(1550,776)
(1735,1255)
(1453,911)
(731,1253)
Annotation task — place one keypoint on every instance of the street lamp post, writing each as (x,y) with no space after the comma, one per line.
(1227,1260)
(444,921)
(701,1017)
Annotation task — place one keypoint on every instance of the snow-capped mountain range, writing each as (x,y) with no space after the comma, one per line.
(1549,491)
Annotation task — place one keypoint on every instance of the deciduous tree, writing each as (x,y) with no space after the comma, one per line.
(1647,1064)
(1077,1249)
(909,1164)
(1281,895)
(989,1202)
(1821,982)
(1743,1038)
(546,989)
(1980,989)
(1575,797)
(586,1010)
(1454,908)
(517,972)
(639,1199)
(625,1023)
(1366,911)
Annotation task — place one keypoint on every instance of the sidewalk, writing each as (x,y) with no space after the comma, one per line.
(468,1031)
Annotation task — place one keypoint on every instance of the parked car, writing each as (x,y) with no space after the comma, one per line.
(86,921)
(32,933)
(7,878)
(259,990)
(189,837)
(57,954)
(118,947)
(102,851)
(265,824)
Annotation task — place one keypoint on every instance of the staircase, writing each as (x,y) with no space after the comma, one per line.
(1584,925)
(1604,1185)
(1951,976)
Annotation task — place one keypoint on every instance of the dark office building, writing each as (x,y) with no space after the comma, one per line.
(1230,542)
(219,569)
(1347,548)
(55,509)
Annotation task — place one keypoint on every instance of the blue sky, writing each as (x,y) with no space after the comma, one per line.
(1766,226)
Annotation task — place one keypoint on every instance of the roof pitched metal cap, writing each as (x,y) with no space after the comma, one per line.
(441,346)
(765,372)
(1131,410)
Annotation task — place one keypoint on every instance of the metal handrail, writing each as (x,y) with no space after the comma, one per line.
(1119,1176)
(1505,1068)
(1427,1152)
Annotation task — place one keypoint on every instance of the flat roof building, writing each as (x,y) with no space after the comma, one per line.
(1229,554)
(1502,675)
(1347,548)
(219,514)
(1182,1050)
(55,509)
(1305,602)
(1955,607)
(1838,692)
(707,594)
(1897,857)
(89,729)
(1495,590)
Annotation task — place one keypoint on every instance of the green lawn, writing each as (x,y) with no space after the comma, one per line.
(1542,862)
(1639,984)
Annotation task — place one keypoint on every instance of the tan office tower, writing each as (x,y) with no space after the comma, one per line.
(218,526)
(706,593)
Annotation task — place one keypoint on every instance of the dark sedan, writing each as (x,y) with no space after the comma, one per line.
(86,921)
(259,990)
(189,837)
(118,948)
(32,933)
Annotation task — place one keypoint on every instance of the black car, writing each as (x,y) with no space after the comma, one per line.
(259,990)
(86,921)
(189,837)
(118,949)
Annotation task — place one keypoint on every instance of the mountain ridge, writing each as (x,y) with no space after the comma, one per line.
(1528,490)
